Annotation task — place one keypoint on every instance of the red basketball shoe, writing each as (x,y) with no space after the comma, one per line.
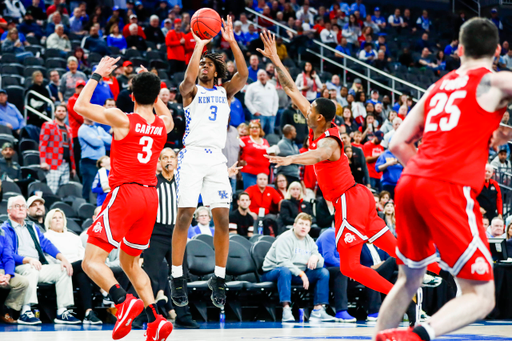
(397,335)
(126,312)
(159,329)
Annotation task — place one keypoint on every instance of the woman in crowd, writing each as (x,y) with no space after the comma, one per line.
(386,105)
(243,130)
(355,165)
(402,112)
(368,128)
(388,215)
(384,197)
(70,245)
(351,31)
(358,107)
(308,82)
(36,102)
(281,185)
(203,217)
(401,101)
(100,184)
(116,39)
(350,123)
(231,71)
(388,126)
(252,154)
(82,61)
(292,205)
(350,100)
(440,60)
(370,108)
(13,44)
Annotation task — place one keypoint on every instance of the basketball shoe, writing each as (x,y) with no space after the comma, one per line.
(126,312)
(397,335)
(159,329)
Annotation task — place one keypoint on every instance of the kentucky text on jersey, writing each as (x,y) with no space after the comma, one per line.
(212,99)
(147,129)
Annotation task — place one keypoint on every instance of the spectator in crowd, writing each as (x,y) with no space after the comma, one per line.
(372,150)
(343,47)
(241,220)
(153,31)
(13,44)
(71,248)
(58,40)
(80,56)
(306,12)
(508,234)
(124,77)
(126,28)
(408,21)
(359,107)
(328,36)
(326,243)
(425,59)
(507,59)
(397,121)
(359,7)
(56,20)
(36,211)
(238,33)
(356,167)
(135,41)
(292,205)
(263,197)
(10,116)
(203,217)
(294,258)
(424,43)
(262,101)
(175,41)
(501,162)
(168,25)
(490,200)
(497,228)
(29,27)
(391,170)
(36,102)
(94,43)
(56,150)
(124,101)
(9,169)
(351,31)
(378,19)
(253,147)
(395,20)
(116,39)
(29,247)
(406,58)
(53,85)
(251,34)
(15,284)
(368,54)
(93,141)
(381,62)
(288,147)
(53,8)
(383,198)
(77,22)
(69,79)
(388,215)
(253,67)
(424,22)
(308,82)
(281,185)
(451,49)
(496,20)
(100,185)
(370,23)
(349,122)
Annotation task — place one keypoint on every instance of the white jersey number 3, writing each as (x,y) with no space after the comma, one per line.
(147,142)
(441,103)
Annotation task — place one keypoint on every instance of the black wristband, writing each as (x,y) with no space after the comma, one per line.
(97,77)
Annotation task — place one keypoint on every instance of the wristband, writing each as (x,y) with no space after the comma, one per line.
(301,274)
(97,77)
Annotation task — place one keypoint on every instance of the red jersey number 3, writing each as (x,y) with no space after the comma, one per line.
(147,143)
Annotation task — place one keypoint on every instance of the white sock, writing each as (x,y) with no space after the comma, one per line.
(177,271)
(220,272)
(25,308)
(431,332)
(60,311)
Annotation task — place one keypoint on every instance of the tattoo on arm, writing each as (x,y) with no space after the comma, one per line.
(284,79)
(484,86)
(415,137)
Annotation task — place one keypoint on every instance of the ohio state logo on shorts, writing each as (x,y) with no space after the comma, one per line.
(97,227)
(349,238)
(480,266)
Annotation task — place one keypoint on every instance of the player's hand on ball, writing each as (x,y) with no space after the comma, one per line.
(269,40)
(106,66)
(279,160)
(198,40)
(227,30)
(233,170)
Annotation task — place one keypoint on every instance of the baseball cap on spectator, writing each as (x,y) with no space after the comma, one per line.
(7,145)
(238,23)
(375,91)
(377,9)
(177,20)
(2,91)
(358,81)
(173,89)
(138,3)
(33,199)
(502,149)
(379,134)
(127,63)
(494,10)
(133,16)
(115,8)
(80,82)
(167,21)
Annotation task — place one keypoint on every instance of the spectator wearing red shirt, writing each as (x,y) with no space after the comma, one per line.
(126,28)
(114,85)
(53,8)
(175,41)
(3,25)
(319,25)
(253,148)
(372,150)
(490,200)
(263,196)
(75,120)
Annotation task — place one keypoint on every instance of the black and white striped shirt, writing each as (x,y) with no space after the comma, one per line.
(167,205)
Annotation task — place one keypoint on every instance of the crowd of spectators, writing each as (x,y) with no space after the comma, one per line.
(273,201)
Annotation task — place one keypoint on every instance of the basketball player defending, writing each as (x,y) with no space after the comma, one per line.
(202,167)
(129,212)
(356,219)
(436,202)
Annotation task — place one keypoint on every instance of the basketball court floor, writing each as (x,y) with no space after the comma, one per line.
(484,331)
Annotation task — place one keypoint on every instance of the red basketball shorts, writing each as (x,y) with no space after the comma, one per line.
(437,215)
(126,220)
(356,218)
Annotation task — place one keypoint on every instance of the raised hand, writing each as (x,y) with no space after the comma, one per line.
(142,69)
(279,160)
(233,170)
(106,66)
(199,40)
(227,30)
(269,41)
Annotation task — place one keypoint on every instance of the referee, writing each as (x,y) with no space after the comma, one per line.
(161,239)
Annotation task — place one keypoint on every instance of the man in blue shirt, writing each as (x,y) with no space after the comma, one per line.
(251,35)
(237,115)
(93,140)
(358,6)
(101,93)
(378,19)
(424,22)
(254,67)
(343,48)
(496,20)
(451,48)
(29,27)
(10,116)
(391,170)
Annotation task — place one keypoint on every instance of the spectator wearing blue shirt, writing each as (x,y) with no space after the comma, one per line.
(391,170)
(338,282)
(116,38)
(424,22)
(173,3)
(29,27)
(238,33)
(358,6)
(94,43)
(374,98)
(237,115)
(21,36)
(496,20)
(93,140)
(251,35)
(203,216)
(101,93)
(254,67)
(116,13)
(77,22)
(451,48)
(378,19)
(100,185)
(343,47)
(10,116)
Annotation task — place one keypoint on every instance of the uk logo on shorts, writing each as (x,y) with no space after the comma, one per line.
(97,228)
(349,238)
(480,266)
(223,194)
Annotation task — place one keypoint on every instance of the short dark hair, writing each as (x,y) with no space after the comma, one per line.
(480,37)
(220,66)
(243,193)
(108,99)
(326,108)
(146,87)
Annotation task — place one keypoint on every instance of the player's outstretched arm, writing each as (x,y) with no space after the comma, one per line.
(188,86)
(286,81)
(113,117)
(240,78)
(325,150)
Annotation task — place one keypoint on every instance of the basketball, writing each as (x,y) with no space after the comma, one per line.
(206,23)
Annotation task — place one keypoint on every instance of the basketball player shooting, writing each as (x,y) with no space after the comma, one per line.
(129,212)
(437,211)
(202,167)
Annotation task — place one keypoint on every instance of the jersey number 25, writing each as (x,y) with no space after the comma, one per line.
(442,104)
(147,142)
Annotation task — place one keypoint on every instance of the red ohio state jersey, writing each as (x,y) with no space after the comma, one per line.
(456,132)
(134,158)
(334,177)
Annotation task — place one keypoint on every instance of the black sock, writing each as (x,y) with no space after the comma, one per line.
(152,312)
(117,294)
(422,333)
